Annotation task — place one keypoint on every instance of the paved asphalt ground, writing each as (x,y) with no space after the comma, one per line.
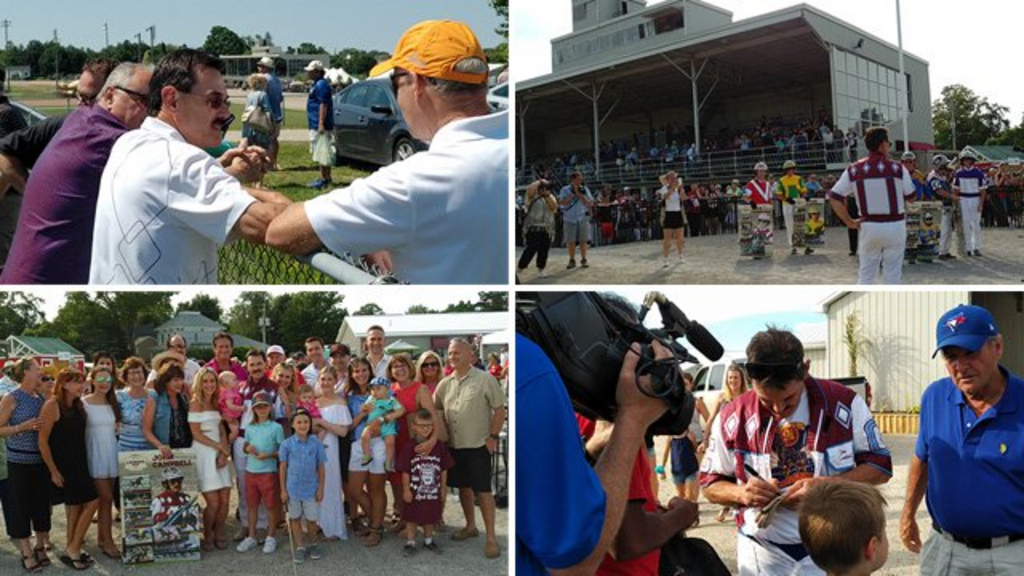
(716,260)
(901,562)
(341,557)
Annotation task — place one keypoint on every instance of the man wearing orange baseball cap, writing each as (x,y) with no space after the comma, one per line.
(440,216)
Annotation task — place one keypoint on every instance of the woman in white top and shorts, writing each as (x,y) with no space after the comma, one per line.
(671,193)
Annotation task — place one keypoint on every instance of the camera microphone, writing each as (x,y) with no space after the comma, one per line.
(677,324)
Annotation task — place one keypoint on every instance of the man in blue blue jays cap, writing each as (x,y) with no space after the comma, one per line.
(969,458)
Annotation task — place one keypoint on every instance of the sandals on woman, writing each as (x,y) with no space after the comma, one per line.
(373,538)
(35,568)
(41,558)
(78,564)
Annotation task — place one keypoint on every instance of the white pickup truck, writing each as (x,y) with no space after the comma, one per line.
(709,381)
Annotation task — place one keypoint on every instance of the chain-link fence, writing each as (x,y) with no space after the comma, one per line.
(245,263)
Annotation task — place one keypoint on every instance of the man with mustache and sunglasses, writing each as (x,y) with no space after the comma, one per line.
(773,443)
(968,458)
(165,206)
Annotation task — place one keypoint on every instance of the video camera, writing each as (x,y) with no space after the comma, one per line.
(586,335)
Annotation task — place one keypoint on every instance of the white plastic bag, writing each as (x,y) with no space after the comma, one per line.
(322,153)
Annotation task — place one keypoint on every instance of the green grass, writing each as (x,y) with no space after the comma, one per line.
(54,110)
(293,119)
(298,169)
(33,90)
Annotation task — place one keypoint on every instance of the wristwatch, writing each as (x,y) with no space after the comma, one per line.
(495,437)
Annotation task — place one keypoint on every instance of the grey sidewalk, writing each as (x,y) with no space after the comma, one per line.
(716,260)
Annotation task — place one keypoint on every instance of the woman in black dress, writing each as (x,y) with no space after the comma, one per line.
(62,446)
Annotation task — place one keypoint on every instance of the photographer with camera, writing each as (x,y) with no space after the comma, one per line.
(538,225)
(572,513)
(773,443)
(577,203)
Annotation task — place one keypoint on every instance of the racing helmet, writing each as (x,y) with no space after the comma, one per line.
(788,165)
(760,166)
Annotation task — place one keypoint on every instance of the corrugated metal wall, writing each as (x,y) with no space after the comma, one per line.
(1008,309)
(898,329)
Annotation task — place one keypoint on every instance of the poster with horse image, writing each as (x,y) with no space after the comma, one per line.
(160,515)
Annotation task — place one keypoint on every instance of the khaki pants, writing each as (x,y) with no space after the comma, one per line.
(941,557)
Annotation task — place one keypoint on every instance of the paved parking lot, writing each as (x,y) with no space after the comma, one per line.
(901,562)
(457,558)
(716,260)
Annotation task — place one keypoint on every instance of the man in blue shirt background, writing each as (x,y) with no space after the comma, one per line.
(969,455)
(275,97)
(320,116)
(567,513)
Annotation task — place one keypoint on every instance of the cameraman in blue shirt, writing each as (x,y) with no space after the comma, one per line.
(567,513)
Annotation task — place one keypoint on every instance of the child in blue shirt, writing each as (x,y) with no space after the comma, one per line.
(302,469)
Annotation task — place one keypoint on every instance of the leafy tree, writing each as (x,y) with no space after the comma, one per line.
(976,119)
(106,320)
(18,311)
(357,62)
(244,316)
(305,314)
(419,309)
(462,306)
(498,54)
(369,309)
(493,301)
(309,48)
(501,7)
(204,304)
(222,40)
(1012,137)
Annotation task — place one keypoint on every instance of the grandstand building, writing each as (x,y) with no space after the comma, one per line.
(638,89)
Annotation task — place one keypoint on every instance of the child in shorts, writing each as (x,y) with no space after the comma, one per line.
(229,401)
(424,481)
(842,525)
(263,438)
(382,422)
(302,468)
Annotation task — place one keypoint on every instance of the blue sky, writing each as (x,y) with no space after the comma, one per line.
(734,313)
(333,24)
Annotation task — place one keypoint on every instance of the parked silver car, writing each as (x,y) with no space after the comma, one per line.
(368,124)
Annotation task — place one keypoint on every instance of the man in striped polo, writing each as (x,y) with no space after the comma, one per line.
(881,187)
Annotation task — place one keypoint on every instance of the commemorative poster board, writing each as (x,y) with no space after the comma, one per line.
(814,227)
(913,228)
(929,231)
(160,515)
(755,230)
(799,222)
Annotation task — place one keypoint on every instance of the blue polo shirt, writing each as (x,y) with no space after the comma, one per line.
(975,463)
(561,504)
(320,93)
(304,458)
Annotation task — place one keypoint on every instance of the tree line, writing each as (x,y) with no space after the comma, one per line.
(112,321)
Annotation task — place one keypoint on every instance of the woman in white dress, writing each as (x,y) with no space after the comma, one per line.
(336,421)
(211,448)
(103,418)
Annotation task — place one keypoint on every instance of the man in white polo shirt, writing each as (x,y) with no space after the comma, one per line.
(440,215)
(969,185)
(882,187)
(165,205)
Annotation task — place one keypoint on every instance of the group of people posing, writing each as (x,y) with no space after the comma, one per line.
(315,445)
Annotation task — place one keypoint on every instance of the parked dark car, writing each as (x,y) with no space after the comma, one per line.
(368,124)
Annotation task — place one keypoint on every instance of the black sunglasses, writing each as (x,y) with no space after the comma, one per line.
(139,97)
(765,370)
(395,75)
(430,365)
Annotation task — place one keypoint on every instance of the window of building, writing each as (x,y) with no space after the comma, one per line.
(668,21)
(579,12)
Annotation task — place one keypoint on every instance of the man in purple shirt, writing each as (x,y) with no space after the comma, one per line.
(53,240)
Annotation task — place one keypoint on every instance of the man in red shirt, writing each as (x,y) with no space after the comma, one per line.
(645,528)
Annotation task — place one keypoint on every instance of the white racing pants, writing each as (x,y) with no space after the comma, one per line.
(881,243)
